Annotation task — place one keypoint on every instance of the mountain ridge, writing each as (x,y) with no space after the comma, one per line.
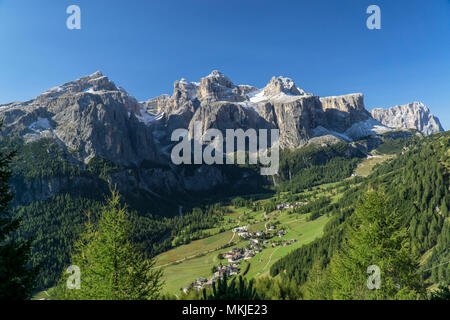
(98,119)
(88,134)
(414,115)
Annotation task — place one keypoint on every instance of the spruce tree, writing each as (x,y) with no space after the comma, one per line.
(111,267)
(224,289)
(375,238)
(16,277)
(317,287)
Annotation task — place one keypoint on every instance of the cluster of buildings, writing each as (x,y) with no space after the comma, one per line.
(245,234)
(281,233)
(256,235)
(230,270)
(241,231)
(257,242)
(200,283)
(283,243)
(288,205)
(237,254)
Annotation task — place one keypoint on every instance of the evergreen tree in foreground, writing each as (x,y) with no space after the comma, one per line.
(223,289)
(375,238)
(443,293)
(16,279)
(111,268)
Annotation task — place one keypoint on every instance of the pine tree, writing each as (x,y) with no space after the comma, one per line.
(16,278)
(110,266)
(224,289)
(375,239)
(318,285)
(443,293)
(444,208)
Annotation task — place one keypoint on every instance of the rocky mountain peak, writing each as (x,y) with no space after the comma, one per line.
(216,74)
(419,105)
(414,115)
(345,103)
(217,87)
(184,89)
(284,85)
(98,119)
(92,83)
(217,78)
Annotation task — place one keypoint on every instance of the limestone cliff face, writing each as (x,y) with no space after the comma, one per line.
(217,87)
(295,119)
(227,115)
(90,116)
(38,189)
(282,106)
(94,118)
(302,117)
(341,112)
(410,116)
(279,85)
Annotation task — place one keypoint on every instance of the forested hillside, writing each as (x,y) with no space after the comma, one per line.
(54,196)
(417,187)
(55,224)
(417,182)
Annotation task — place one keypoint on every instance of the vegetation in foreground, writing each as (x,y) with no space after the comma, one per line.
(110,265)
(17,279)
(391,228)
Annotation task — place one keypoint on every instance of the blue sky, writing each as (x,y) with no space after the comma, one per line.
(145,46)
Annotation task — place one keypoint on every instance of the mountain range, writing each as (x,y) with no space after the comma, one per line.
(91,118)
(98,119)
(76,140)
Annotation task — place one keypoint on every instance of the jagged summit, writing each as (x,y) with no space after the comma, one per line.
(91,114)
(91,83)
(414,115)
(279,89)
(279,85)
(218,87)
(218,77)
(216,74)
(96,74)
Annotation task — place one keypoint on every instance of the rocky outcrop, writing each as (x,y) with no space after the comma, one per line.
(90,116)
(217,87)
(284,85)
(341,112)
(410,116)
(94,118)
(296,120)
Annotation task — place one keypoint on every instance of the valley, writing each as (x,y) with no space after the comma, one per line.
(188,263)
(225,154)
(332,152)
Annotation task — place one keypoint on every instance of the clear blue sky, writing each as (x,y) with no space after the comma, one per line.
(145,45)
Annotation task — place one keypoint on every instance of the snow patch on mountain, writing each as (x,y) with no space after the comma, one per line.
(40,124)
(147,118)
(366,128)
(321,131)
(90,84)
(5,107)
(260,96)
(257,96)
(39,129)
